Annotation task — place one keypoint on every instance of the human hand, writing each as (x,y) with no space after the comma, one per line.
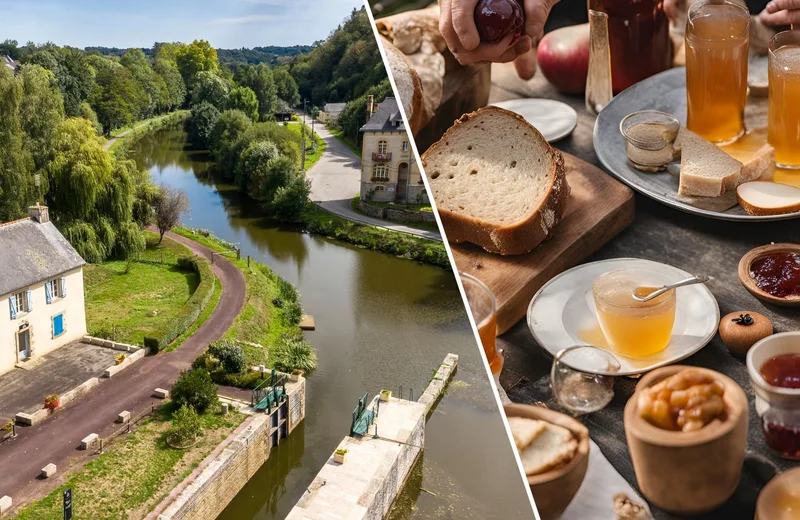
(781,12)
(457,25)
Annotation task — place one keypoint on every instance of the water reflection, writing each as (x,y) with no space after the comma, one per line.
(382,322)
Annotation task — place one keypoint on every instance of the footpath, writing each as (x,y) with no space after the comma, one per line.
(57,439)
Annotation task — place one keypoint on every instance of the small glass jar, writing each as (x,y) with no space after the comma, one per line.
(632,328)
(649,138)
(778,408)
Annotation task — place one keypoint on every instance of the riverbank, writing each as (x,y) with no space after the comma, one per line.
(122,140)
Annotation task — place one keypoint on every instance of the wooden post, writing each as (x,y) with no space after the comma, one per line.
(248,260)
(238,253)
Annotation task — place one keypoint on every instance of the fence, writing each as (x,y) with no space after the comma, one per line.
(126,428)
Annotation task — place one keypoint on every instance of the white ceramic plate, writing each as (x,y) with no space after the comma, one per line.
(554,119)
(564,307)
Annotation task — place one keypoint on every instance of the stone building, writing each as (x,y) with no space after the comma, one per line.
(330,112)
(41,289)
(389,171)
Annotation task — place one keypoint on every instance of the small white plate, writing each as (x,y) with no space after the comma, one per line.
(564,307)
(554,119)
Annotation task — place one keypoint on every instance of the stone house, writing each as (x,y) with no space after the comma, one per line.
(41,290)
(389,171)
(330,113)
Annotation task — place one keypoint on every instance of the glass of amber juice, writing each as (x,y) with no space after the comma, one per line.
(784,98)
(482,303)
(633,328)
(717,42)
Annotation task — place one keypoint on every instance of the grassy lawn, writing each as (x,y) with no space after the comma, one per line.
(260,320)
(311,157)
(348,141)
(137,472)
(127,301)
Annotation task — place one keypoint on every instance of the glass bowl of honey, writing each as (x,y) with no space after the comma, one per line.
(773,365)
(649,138)
(633,328)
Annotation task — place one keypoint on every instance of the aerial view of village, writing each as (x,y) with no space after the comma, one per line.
(223,292)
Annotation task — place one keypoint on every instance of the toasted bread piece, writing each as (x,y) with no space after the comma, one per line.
(497,182)
(525,430)
(706,171)
(768,198)
(553,447)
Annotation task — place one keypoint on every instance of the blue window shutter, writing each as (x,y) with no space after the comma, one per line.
(30,300)
(63,287)
(47,294)
(58,325)
(12,303)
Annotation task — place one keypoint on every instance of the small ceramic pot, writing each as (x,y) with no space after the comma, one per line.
(779,499)
(554,490)
(688,472)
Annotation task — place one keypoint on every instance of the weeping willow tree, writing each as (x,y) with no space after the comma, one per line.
(91,196)
(16,180)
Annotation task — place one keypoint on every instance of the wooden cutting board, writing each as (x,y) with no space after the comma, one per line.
(598,208)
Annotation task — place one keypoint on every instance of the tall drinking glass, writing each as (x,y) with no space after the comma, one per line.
(717,42)
(784,98)
(482,302)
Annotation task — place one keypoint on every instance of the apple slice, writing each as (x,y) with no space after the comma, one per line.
(768,198)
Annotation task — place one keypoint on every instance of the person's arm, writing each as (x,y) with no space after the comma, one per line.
(457,25)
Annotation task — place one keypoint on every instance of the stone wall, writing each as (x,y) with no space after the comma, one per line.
(395,213)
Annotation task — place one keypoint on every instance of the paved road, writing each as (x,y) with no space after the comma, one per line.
(57,438)
(336,179)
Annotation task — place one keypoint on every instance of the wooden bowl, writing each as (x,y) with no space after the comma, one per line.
(750,284)
(688,472)
(779,496)
(553,490)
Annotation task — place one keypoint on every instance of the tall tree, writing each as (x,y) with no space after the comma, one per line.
(244,99)
(208,87)
(16,182)
(228,128)
(169,205)
(260,80)
(153,85)
(118,98)
(41,111)
(201,124)
(196,57)
(71,68)
(286,85)
(176,88)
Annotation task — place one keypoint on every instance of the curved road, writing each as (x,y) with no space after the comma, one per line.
(57,438)
(336,179)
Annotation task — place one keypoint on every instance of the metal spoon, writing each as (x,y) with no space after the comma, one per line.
(658,292)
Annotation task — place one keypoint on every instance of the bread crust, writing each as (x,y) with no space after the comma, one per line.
(521,237)
(415,112)
(757,211)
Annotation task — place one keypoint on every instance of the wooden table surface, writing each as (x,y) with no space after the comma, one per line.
(693,243)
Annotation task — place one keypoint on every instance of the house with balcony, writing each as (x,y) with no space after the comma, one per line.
(389,172)
(41,290)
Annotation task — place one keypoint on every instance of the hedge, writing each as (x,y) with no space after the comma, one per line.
(191,310)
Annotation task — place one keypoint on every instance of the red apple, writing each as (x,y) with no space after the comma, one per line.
(563,57)
(496,19)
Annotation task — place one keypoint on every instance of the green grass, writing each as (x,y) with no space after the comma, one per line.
(317,220)
(136,473)
(141,128)
(348,141)
(129,300)
(259,321)
(212,304)
(312,156)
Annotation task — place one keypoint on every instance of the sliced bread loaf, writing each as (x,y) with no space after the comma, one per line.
(761,166)
(496,181)
(409,85)
(768,198)
(706,171)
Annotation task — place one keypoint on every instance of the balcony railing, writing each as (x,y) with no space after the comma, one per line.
(381,157)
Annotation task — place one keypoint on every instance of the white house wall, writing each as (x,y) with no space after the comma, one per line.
(40,320)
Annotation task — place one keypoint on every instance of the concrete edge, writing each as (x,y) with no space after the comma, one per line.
(439,382)
(34,417)
(129,360)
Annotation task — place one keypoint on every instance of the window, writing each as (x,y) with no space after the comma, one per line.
(55,288)
(380,172)
(405,146)
(378,188)
(383,146)
(21,302)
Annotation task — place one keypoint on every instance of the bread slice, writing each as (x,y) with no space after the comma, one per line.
(409,85)
(768,198)
(706,171)
(761,165)
(525,430)
(553,447)
(497,182)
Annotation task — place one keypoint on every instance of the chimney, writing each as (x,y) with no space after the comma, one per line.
(39,213)
(370,106)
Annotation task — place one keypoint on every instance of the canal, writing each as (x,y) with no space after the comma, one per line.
(382,322)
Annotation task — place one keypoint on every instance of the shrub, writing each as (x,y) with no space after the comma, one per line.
(194,388)
(277,302)
(206,362)
(52,401)
(191,309)
(201,124)
(293,353)
(229,354)
(292,313)
(8,427)
(185,426)
(250,379)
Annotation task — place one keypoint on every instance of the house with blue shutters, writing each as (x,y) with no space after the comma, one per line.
(42,303)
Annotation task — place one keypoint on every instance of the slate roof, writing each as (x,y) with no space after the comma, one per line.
(31,253)
(334,108)
(11,64)
(386,118)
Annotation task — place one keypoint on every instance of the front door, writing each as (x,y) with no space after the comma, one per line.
(402,182)
(24,344)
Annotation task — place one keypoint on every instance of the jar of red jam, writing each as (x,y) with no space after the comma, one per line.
(774,368)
